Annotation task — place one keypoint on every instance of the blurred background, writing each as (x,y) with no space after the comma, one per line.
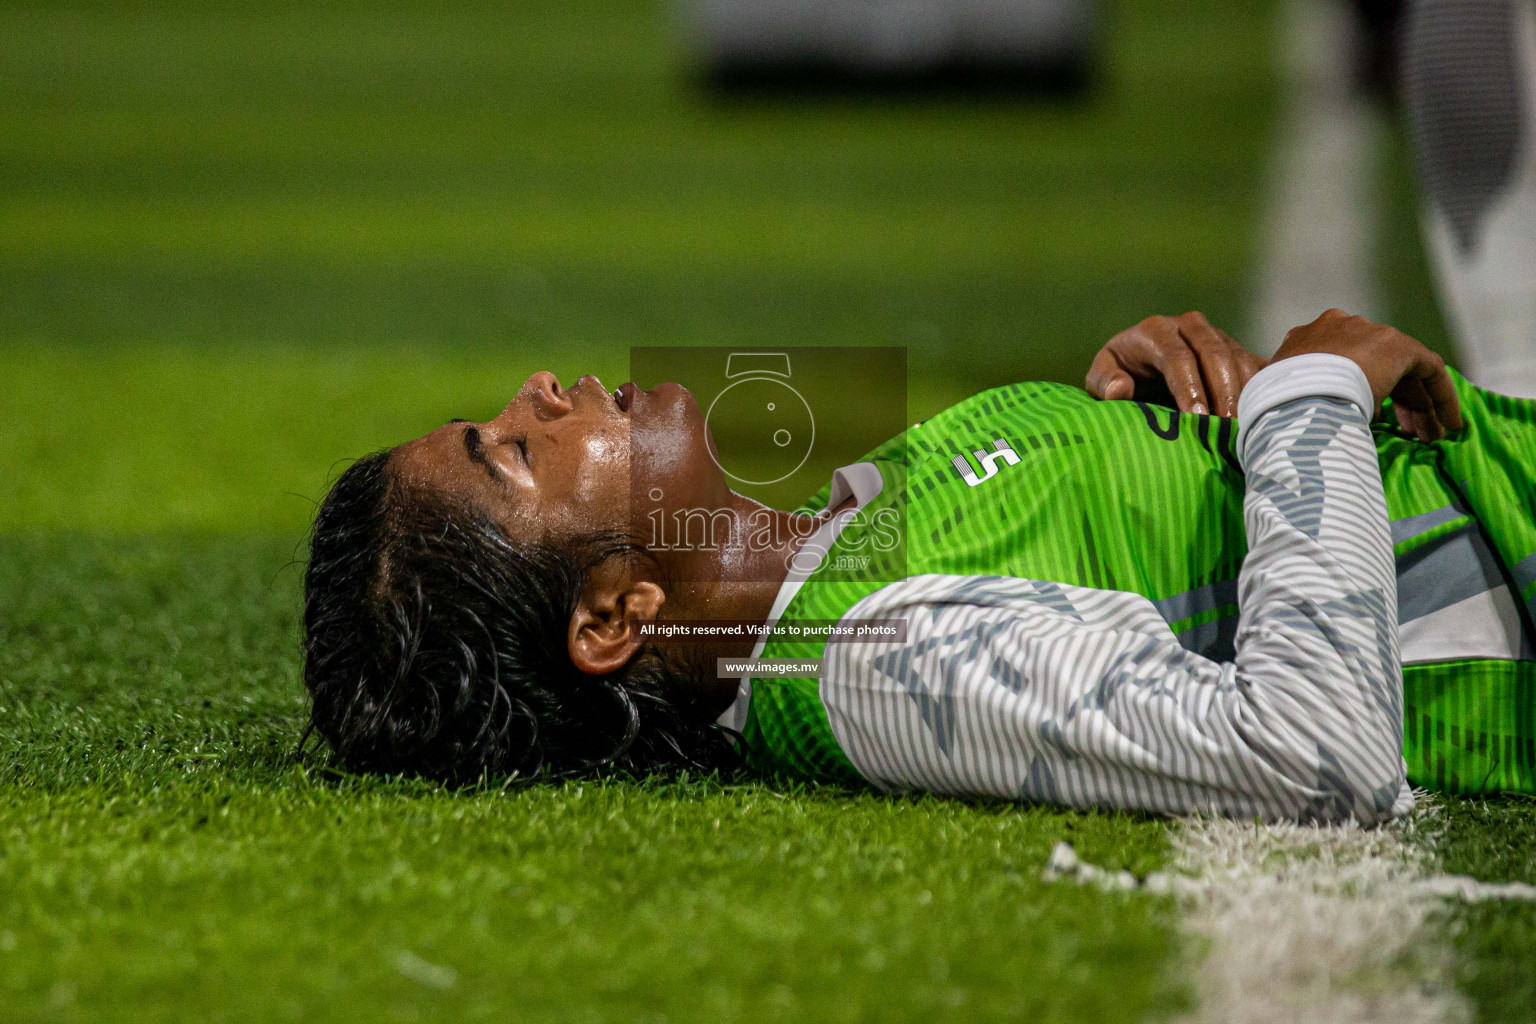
(239,245)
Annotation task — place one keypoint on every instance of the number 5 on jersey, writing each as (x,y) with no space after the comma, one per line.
(1002,450)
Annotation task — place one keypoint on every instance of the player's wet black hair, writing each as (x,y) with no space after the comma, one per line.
(435,646)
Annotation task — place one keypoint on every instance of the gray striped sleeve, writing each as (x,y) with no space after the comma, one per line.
(1040,691)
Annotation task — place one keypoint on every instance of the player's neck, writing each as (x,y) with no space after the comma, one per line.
(739,582)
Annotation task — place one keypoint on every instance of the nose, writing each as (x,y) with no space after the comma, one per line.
(549,400)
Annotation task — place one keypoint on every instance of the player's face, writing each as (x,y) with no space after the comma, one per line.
(560,462)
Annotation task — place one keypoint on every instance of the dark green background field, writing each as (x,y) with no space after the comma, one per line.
(238,247)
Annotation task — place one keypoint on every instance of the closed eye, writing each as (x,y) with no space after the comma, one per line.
(474,447)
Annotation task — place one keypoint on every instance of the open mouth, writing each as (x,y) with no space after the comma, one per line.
(624,395)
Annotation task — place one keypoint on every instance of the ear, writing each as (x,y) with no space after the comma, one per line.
(605,627)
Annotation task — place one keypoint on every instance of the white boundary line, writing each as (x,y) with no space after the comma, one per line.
(1314,924)
(1302,923)
(1320,228)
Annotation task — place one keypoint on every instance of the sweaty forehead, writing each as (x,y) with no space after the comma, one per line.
(438,461)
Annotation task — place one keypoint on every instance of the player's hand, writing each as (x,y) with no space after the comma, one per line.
(1178,360)
(1395,364)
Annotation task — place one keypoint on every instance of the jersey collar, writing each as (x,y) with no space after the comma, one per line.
(862,482)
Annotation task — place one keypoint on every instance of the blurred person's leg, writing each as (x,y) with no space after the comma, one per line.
(1469,81)
(1377,42)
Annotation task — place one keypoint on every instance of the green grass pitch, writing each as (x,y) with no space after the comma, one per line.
(165,857)
(238,246)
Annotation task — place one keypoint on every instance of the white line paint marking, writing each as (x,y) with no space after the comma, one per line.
(1301,923)
(1314,924)
(1319,231)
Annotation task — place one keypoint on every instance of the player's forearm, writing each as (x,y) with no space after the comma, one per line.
(1317,647)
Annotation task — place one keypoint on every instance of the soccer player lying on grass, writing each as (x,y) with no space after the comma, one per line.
(1145,608)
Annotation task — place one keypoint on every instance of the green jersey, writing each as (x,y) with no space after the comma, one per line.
(1040,483)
